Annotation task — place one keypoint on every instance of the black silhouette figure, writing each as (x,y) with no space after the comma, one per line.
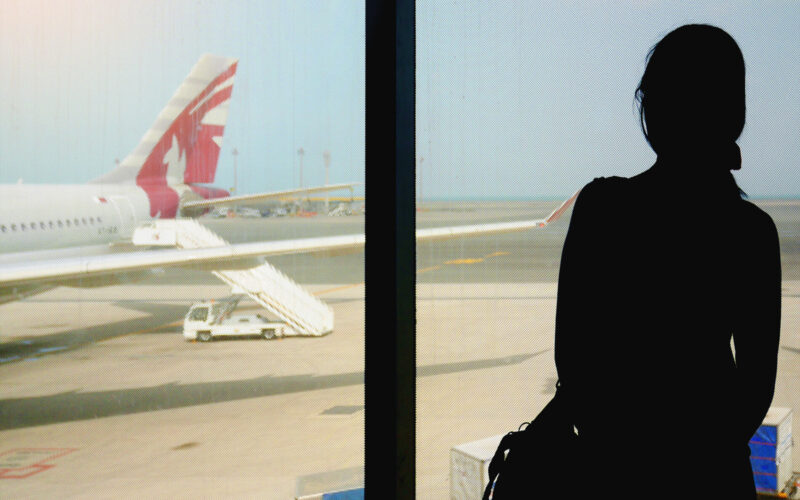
(658,272)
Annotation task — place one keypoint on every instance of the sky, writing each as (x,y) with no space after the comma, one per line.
(84,79)
(514,99)
(535,98)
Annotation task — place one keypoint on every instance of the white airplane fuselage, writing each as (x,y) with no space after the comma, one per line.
(45,217)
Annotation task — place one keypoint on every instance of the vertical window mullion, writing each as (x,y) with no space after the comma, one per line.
(390,364)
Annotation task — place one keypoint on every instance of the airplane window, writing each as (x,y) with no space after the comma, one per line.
(3,228)
(60,224)
(42,225)
(50,223)
(33,226)
(67,222)
(77,222)
(99,220)
(22,226)
(91,220)
(83,220)
(13,227)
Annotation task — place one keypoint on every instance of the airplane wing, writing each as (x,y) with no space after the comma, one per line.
(65,270)
(250,198)
(440,233)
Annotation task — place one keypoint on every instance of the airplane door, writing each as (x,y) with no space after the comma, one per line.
(127,215)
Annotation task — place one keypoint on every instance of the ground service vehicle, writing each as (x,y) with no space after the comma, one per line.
(208,319)
(247,212)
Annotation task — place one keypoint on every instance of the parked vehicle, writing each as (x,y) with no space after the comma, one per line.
(248,212)
(208,319)
(220,213)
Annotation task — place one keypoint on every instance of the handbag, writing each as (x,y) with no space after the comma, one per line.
(539,460)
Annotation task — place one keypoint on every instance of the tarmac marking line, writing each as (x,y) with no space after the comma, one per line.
(497,254)
(343,287)
(21,463)
(464,261)
(426,269)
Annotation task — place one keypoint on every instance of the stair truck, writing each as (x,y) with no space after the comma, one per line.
(214,318)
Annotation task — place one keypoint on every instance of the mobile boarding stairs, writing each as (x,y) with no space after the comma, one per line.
(280,295)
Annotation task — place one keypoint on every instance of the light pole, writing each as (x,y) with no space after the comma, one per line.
(326,157)
(235,153)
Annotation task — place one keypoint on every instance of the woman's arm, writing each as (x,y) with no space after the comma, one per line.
(757,327)
(573,294)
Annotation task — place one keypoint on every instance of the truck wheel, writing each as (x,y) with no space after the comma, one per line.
(203,336)
(268,334)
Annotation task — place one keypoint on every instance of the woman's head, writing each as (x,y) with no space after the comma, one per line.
(691,96)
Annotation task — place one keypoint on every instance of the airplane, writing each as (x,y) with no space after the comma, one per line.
(80,235)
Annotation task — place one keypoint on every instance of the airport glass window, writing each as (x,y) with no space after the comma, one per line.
(518,106)
(281,106)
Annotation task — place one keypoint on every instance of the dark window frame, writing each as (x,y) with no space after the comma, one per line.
(390,302)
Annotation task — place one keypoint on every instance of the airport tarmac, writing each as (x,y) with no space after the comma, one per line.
(101,397)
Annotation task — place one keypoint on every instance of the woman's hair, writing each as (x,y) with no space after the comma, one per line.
(692,91)
(691,99)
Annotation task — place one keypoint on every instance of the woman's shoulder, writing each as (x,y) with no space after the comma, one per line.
(603,184)
(754,212)
(754,217)
(599,199)
(603,189)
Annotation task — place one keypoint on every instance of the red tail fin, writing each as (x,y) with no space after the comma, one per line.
(183,144)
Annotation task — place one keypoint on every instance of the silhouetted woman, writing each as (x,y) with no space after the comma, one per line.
(658,272)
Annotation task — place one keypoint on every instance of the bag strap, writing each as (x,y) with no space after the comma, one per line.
(564,399)
(499,460)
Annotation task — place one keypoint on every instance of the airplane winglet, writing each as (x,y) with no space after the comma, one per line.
(558,212)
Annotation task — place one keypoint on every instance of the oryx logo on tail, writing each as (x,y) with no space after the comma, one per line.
(183,145)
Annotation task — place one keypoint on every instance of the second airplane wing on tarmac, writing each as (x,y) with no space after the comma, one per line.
(255,198)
